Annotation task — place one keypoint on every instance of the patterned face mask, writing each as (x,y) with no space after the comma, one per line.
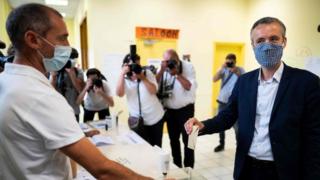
(268,55)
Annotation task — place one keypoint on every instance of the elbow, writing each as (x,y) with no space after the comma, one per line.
(120,93)
(111,104)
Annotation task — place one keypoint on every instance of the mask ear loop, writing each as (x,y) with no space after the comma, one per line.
(44,39)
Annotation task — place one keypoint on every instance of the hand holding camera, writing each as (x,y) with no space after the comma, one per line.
(125,69)
(88,84)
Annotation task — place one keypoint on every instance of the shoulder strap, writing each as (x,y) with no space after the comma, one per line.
(140,114)
(226,81)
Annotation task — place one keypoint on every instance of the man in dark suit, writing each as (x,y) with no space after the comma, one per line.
(278,114)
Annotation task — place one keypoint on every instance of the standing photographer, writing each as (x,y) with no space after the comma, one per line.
(228,74)
(97,96)
(140,87)
(69,82)
(177,91)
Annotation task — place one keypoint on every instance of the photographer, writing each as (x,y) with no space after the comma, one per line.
(177,91)
(69,82)
(228,74)
(140,87)
(97,96)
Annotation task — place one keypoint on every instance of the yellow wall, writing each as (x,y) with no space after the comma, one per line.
(155,50)
(4,11)
(70,26)
(111,29)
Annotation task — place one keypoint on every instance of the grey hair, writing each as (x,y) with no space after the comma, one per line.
(35,17)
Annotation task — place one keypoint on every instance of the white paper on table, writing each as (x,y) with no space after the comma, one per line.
(192,140)
(85,127)
(101,124)
(82,174)
(131,138)
(100,140)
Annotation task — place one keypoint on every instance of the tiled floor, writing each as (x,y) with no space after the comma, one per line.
(208,164)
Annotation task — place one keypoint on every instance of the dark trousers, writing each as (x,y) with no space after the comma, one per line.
(258,170)
(89,115)
(153,134)
(175,122)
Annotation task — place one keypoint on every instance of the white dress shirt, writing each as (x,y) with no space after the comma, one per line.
(267,91)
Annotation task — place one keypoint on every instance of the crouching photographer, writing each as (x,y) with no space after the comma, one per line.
(177,87)
(96,95)
(69,82)
(140,87)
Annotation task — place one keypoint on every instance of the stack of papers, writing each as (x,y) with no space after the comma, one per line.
(101,140)
(101,124)
(131,138)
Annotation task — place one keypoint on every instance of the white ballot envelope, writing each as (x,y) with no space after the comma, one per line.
(193,137)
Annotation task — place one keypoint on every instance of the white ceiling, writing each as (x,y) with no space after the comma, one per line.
(70,10)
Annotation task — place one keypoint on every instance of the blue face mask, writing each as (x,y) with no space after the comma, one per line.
(59,59)
(268,55)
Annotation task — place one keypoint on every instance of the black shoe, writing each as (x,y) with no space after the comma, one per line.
(219,148)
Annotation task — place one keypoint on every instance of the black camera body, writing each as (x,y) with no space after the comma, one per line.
(97,83)
(171,64)
(230,64)
(134,68)
(165,92)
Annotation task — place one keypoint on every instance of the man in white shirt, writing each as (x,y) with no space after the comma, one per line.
(38,129)
(177,88)
(277,108)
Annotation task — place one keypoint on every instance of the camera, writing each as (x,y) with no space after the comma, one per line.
(171,64)
(134,68)
(97,83)
(165,92)
(229,64)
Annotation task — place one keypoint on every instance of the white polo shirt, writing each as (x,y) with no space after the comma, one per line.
(180,97)
(94,101)
(151,108)
(35,121)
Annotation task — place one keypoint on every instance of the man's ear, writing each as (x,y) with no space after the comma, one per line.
(284,42)
(31,40)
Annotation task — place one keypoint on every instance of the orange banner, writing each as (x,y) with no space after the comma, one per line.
(156,33)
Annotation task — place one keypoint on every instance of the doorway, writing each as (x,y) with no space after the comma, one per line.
(221,49)
(84,44)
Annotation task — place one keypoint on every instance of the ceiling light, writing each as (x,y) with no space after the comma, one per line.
(57,2)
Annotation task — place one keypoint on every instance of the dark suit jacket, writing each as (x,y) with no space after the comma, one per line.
(294,128)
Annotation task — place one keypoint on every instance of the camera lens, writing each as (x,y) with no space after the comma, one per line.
(136,68)
(230,64)
(171,64)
